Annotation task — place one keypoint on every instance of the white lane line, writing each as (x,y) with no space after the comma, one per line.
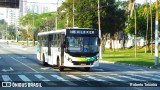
(6,78)
(146,77)
(113,78)
(62,79)
(76,78)
(25,65)
(151,77)
(59,78)
(93,78)
(134,79)
(44,79)
(24,78)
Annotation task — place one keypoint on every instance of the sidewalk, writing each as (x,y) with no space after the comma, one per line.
(21,46)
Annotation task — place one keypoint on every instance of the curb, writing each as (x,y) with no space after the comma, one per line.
(151,67)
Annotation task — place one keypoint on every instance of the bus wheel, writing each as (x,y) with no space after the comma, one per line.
(61,68)
(87,68)
(43,62)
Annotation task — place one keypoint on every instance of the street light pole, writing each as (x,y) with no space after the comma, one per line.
(57,17)
(99,27)
(156,35)
(73,14)
(135,36)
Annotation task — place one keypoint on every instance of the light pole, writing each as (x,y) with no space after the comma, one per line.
(156,35)
(73,14)
(99,27)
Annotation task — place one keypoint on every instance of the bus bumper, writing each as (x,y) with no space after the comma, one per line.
(81,64)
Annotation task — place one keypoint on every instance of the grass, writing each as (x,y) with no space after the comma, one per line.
(127,56)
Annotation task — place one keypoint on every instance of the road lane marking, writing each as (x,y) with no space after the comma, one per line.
(24,78)
(65,81)
(59,78)
(44,79)
(93,78)
(7,70)
(155,79)
(77,78)
(25,64)
(151,77)
(134,79)
(6,78)
(113,78)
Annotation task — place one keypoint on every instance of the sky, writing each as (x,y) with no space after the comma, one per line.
(54,2)
(140,1)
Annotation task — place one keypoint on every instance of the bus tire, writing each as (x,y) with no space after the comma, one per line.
(87,68)
(43,62)
(61,68)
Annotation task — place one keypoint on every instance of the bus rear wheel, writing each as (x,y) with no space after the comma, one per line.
(61,68)
(87,68)
(43,62)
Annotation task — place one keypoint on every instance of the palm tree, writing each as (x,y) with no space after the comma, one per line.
(151,27)
(146,14)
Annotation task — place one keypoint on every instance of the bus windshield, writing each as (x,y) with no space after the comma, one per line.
(82,44)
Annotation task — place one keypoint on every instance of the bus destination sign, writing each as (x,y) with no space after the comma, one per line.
(82,32)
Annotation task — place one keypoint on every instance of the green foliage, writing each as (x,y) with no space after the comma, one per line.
(141,13)
(33,23)
(86,14)
(11,32)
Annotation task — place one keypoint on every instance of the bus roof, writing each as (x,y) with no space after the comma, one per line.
(53,31)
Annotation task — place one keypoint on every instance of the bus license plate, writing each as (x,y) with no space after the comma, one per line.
(83,64)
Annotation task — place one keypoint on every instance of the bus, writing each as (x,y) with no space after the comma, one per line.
(72,47)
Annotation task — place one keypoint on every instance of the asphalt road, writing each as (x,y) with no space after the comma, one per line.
(19,67)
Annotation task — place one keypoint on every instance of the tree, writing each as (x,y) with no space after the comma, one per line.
(3,28)
(34,23)
(11,32)
(86,16)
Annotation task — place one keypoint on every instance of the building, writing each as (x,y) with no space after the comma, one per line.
(38,6)
(12,17)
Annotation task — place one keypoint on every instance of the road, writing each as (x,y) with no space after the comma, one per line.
(20,68)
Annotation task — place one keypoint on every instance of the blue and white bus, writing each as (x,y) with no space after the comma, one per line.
(73,47)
